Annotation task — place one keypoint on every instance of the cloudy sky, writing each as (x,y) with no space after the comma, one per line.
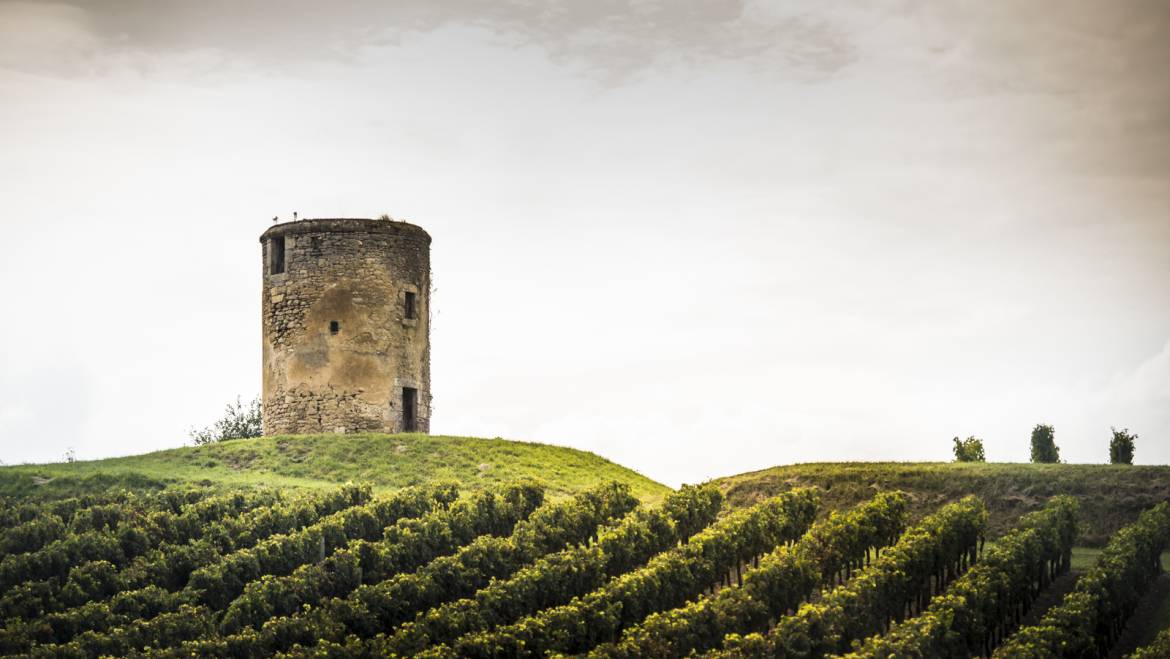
(697,237)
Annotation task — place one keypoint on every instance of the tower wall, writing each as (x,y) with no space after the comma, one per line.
(341,351)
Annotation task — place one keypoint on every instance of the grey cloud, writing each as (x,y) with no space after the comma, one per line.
(1080,83)
(1044,47)
(1074,49)
(610,39)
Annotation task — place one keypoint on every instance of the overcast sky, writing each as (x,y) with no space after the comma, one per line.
(697,237)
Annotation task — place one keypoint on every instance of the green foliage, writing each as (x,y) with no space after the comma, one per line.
(165,568)
(31,526)
(1090,619)
(969,450)
(14,513)
(218,584)
(1044,448)
(45,548)
(31,535)
(1158,649)
(1121,447)
(373,608)
(204,571)
(985,603)
(917,567)
(237,422)
(404,546)
(829,553)
(560,576)
(210,588)
(390,603)
(667,581)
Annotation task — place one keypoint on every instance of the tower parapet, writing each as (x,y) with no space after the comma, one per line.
(346,324)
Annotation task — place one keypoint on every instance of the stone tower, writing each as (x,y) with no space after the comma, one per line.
(346,327)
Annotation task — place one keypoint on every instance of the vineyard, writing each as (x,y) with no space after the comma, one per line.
(509,571)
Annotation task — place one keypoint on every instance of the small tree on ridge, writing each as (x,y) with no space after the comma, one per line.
(1121,447)
(969,450)
(1044,448)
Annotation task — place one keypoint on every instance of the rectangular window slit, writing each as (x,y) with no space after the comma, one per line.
(409,401)
(334,327)
(410,305)
(276,255)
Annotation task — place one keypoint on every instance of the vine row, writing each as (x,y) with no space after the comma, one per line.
(668,580)
(1090,618)
(372,608)
(200,618)
(153,576)
(829,553)
(980,608)
(558,577)
(895,586)
(405,546)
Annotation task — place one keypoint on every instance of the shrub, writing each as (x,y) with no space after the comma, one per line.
(237,422)
(969,450)
(1121,447)
(1160,647)
(1044,448)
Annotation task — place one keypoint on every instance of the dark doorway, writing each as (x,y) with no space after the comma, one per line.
(409,305)
(276,255)
(409,402)
(334,326)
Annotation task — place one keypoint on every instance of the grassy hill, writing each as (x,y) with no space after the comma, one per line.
(315,461)
(237,574)
(1111,496)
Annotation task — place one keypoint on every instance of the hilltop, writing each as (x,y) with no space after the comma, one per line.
(388,462)
(1110,496)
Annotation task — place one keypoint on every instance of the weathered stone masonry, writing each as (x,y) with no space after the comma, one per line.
(346,327)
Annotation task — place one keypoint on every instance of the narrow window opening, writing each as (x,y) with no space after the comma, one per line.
(334,327)
(410,310)
(276,255)
(409,400)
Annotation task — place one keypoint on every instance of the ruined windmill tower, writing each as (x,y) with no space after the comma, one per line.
(346,327)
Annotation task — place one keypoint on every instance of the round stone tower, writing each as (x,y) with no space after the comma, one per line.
(346,327)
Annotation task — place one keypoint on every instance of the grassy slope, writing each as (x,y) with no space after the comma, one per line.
(312,461)
(1110,495)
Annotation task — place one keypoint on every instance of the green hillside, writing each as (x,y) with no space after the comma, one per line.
(387,462)
(1110,496)
(252,548)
